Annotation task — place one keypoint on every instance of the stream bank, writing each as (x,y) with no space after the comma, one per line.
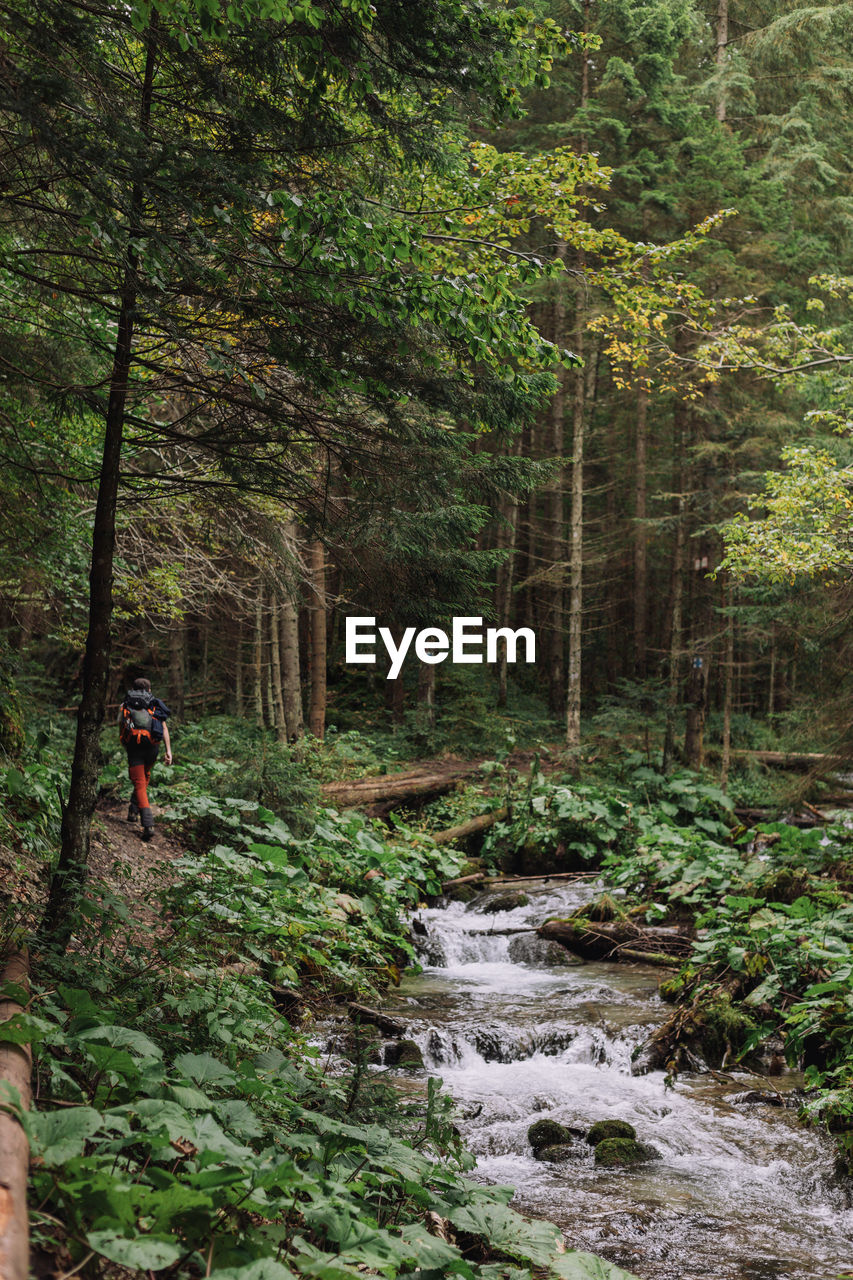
(519,1033)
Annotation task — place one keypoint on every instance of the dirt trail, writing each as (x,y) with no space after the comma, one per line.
(119,862)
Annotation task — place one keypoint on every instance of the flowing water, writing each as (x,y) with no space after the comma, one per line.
(520,1031)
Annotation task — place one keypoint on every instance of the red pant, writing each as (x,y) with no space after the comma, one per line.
(139,763)
(140,776)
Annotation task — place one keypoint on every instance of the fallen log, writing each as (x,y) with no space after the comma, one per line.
(656,958)
(608,941)
(794,759)
(376,1018)
(388,789)
(469,828)
(16,1065)
(751,816)
(460,880)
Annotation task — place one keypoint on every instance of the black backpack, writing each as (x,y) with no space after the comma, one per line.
(138,723)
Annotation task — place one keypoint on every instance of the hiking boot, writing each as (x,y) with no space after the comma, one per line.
(132,811)
(147,819)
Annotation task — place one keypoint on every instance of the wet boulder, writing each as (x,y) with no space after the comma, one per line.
(527,948)
(403,1053)
(604,1129)
(505,902)
(548,1133)
(622,1153)
(562,1153)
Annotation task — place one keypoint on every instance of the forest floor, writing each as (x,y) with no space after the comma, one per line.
(121,865)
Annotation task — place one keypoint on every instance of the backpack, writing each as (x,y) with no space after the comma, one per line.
(138,724)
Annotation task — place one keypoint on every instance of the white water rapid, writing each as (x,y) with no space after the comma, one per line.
(519,1031)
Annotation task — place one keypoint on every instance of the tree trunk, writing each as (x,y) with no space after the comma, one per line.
(771,692)
(729,685)
(573,694)
(317,714)
(277,682)
(697,708)
(554,516)
(676,640)
(70,875)
(290,670)
(575,628)
(258,656)
(239,695)
(205,650)
(640,537)
(722,45)
(426,693)
(177,659)
(16,1063)
(269,625)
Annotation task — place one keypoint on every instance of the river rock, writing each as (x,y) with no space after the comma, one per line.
(604,1129)
(527,948)
(505,902)
(547,1133)
(403,1053)
(620,1153)
(559,1154)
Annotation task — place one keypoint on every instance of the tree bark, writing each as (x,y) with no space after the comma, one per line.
(258,656)
(504,580)
(554,516)
(728,688)
(70,875)
(722,45)
(676,639)
(317,714)
(426,693)
(277,681)
(573,691)
(177,659)
(640,536)
(269,625)
(239,695)
(16,1064)
(575,628)
(290,670)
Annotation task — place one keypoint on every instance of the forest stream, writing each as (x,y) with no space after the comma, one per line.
(519,1032)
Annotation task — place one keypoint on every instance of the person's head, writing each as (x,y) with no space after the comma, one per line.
(141,684)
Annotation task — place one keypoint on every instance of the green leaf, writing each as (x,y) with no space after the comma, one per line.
(203,1068)
(586,1266)
(142,1253)
(259,1269)
(59,1136)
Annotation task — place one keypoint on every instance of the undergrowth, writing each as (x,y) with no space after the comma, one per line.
(185,1125)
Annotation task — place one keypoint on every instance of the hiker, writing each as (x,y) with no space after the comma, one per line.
(142,727)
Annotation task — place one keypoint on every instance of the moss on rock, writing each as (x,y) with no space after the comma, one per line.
(558,1154)
(621,1153)
(505,902)
(405,1053)
(547,1133)
(604,1129)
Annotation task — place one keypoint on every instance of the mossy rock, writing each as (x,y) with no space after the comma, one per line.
(403,1053)
(547,1133)
(604,1129)
(561,1153)
(463,893)
(505,902)
(621,1153)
